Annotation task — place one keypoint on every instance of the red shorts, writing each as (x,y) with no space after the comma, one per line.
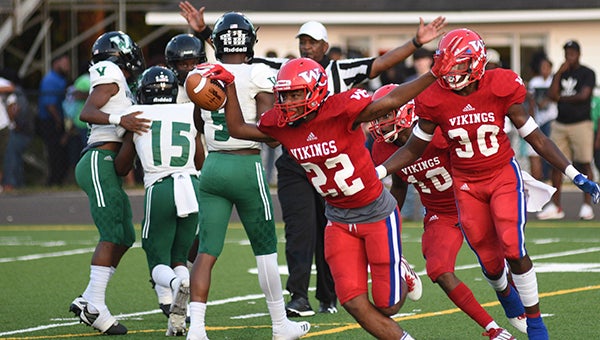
(351,249)
(440,244)
(492,214)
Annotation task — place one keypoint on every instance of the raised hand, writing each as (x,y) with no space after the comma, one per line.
(194,17)
(587,186)
(215,71)
(426,33)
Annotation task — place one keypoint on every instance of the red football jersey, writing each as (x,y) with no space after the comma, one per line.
(333,154)
(430,174)
(474,124)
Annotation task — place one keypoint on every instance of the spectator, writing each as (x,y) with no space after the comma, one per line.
(335,53)
(422,62)
(21,133)
(6,88)
(51,118)
(76,131)
(542,109)
(573,131)
(493,58)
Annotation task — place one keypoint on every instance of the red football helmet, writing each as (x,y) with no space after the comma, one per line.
(398,119)
(471,60)
(299,74)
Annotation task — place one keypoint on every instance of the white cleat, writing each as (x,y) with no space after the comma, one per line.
(291,330)
(413,281)
(520,323)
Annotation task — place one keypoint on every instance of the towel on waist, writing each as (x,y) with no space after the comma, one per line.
(537,193)
(186,201)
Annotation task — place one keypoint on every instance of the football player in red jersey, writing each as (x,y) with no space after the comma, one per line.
(469,105)
(430,175)
(324,135)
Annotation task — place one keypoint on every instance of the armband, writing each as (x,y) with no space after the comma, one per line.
(571,172)
(205,34)
(528,127)
(381,171)
(114,119)
(416,43)
(421,134)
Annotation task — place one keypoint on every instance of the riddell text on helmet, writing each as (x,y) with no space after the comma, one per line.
(234,49)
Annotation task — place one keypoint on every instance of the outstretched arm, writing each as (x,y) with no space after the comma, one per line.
(125,157)
(411,151)
(546,148)
(425,34)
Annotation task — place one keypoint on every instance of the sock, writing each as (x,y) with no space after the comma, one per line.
(464,299)
(270,283)
(164,294)
(499,284)
(268,277)
(163,275)
(526,284)
(491,325)
(511,303)
(182,272)
(95,293)
(197,318)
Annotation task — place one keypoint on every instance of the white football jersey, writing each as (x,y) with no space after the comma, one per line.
(250,80)
(106,72)
(182,96)
(170,144)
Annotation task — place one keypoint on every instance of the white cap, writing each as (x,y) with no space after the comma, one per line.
(314,29)
(493,56)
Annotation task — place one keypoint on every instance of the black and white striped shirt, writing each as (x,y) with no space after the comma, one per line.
(341,74)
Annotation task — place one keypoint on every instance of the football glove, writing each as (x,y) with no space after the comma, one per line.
(215,71)
(587,186)
(446,59)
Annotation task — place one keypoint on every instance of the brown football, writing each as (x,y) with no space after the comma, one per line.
(206,93)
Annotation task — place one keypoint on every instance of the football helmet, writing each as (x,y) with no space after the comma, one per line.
(184,47)
(299,74)
(157,85)
(471,60)
(120,49)
(234,33)
(398,119)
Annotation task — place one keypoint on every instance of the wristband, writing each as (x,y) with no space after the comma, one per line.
(205,34)
(381,171)
(571,172)
(416,43)
(114,119)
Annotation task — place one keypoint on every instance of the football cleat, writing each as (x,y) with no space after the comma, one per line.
(165,308)
(103,321)
(291,330)
(499,334)
(551,212)
(413,281)
(520,323)
(586,212)
(178,313)
(299,307)
(328,308)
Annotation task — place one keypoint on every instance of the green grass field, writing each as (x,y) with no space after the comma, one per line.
(42,268)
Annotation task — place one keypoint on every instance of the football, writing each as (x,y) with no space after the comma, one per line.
(209,94)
